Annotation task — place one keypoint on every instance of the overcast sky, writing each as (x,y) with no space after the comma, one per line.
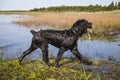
(30,4)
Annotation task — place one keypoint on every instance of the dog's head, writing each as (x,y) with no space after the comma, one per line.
(81,26)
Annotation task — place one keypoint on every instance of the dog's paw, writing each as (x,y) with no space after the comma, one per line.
(19,60)
(49,64)
(57,66)
(87,61)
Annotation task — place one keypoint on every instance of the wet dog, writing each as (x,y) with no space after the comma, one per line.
(62,39)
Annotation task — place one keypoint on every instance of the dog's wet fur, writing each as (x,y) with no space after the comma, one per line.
(62,39)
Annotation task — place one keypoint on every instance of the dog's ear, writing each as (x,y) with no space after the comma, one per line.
(75,26)
(74,30)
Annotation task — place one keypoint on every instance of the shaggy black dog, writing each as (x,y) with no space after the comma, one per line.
(62,39)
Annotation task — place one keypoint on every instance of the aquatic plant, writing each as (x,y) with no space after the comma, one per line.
(32,70)
(69,70)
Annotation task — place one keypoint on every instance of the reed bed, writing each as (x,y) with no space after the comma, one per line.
(102,21)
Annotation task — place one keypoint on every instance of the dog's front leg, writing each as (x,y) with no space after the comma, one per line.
(79,56)
(60,53)
(76,53)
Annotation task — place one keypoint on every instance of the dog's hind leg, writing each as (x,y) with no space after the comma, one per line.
(32,48)
(44,48)
(60,53)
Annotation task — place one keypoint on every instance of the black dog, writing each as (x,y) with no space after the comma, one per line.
(62,39)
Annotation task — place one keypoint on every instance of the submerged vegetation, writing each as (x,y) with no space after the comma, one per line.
(69,70)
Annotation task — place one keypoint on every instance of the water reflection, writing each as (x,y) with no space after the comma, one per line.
(14,39)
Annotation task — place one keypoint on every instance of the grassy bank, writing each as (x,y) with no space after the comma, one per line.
(103,22)
(69,70)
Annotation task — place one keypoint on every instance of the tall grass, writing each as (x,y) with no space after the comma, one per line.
(102,21)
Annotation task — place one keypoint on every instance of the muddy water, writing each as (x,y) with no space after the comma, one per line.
(14,39)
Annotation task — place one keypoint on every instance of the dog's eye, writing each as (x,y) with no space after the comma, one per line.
(84,25)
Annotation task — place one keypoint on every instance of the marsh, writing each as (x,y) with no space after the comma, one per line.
(17,38)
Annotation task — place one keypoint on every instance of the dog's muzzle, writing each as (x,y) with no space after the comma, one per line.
(89,33)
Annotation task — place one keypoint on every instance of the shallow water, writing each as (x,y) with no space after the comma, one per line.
(14,39)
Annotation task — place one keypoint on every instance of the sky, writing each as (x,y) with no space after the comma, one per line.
(30,4)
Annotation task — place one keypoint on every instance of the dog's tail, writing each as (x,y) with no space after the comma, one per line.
(33,32)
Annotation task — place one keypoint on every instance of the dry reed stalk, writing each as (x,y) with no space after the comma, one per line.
(100,20)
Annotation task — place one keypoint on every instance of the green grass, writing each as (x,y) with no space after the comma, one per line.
(69,70)
(38,70)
